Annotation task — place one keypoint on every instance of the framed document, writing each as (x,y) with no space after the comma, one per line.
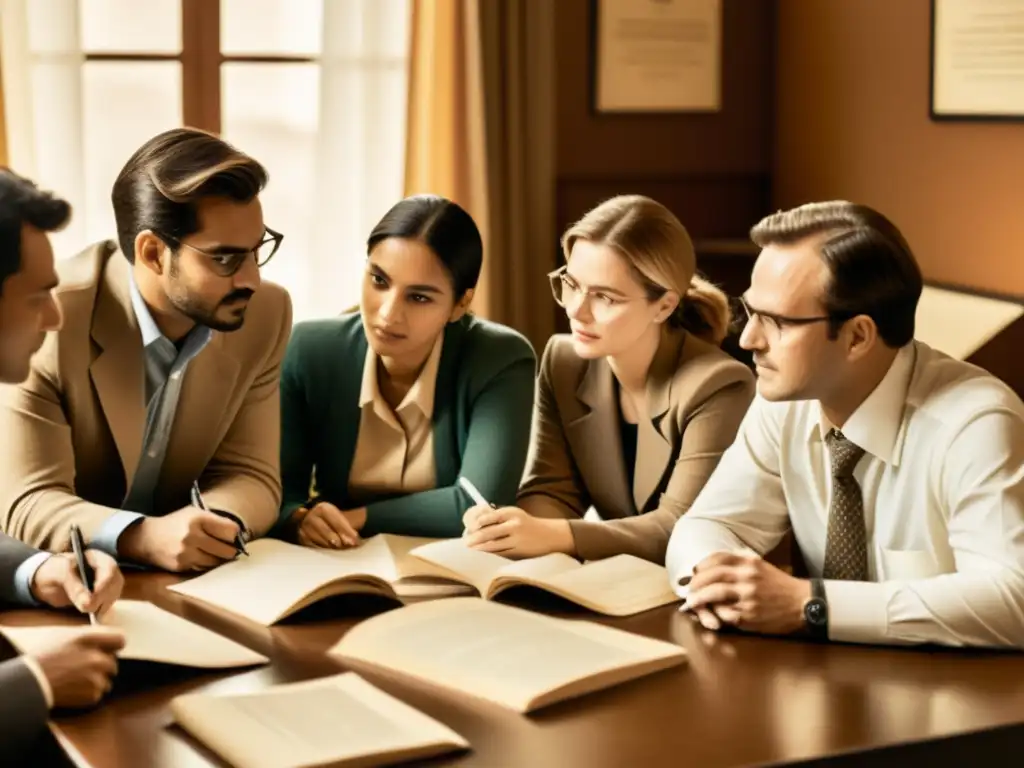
(977,60)
(657,55)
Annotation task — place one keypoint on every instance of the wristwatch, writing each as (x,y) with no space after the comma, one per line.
(816,611)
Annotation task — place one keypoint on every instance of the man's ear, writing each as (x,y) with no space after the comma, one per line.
(461,306)
(861,335)
(150,250)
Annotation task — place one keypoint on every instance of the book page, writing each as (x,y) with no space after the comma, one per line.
(618,586)
(454,558)
(417,578)
(151,634)
(336,720)
(269,584)
(507,655)
(483,569)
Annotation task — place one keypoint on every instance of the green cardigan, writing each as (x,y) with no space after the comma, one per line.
(482,411)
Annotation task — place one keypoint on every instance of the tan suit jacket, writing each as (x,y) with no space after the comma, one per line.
(696,397)
(73,431)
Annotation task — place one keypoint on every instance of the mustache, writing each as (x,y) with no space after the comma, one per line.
(240,294)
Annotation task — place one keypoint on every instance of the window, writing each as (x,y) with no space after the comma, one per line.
(314,89)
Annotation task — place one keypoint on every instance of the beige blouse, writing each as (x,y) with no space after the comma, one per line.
(395,448)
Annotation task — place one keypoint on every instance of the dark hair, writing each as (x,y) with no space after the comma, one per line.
(444,227)
(22,202)
(872,269)
(160,185)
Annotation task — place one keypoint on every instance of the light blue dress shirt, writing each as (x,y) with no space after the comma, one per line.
(23,577)
(165,365)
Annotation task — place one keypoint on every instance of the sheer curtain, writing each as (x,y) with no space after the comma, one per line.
(42,72)
(331,134)
(331,131)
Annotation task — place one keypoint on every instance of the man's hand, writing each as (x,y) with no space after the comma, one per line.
(328,527)
(190,539)
(747,592)
(56,582)
(79,671)
(512,532)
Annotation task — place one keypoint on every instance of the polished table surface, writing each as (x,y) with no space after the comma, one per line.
(741,700)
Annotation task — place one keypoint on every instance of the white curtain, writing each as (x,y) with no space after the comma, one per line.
(42,66)
(360,144)
(331,134)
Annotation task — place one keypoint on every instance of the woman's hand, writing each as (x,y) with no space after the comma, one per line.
(512,532)
(328,527)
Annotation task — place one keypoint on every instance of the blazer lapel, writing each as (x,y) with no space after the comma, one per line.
(653,445)
(597,442)
(117,372)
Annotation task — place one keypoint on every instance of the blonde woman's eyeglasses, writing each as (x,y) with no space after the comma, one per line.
(569,292)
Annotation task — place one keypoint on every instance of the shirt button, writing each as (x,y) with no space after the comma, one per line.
(152,454)
(176,375)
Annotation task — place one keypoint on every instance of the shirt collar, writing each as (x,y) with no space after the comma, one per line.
(200,335)
(147,325)
(421,394)
(876,425)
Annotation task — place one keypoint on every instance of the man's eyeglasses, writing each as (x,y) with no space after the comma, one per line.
(774,324)
(228,261)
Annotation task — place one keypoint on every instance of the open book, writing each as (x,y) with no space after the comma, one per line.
(617,586)
(151,634)
(278,578)
(340,720)
(513,657)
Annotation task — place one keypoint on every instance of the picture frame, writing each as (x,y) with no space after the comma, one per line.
(656,56)
(976,66)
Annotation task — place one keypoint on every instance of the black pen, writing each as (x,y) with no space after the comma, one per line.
(197,501)
(84,569)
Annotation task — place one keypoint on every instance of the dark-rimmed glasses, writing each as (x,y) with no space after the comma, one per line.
(228,261)
(774,324)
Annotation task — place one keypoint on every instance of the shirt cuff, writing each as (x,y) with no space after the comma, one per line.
(24,575)
(107,536)
(37,673)
(857,611)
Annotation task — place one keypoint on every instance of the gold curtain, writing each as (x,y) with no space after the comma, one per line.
(481,132)
(3,117)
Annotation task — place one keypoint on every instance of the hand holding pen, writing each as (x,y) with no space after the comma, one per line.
(197,501)
(87,579)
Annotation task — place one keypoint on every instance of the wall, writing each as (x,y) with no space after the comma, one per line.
(712,170)
(852,122)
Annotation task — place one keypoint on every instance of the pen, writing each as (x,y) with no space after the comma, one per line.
(197,501)
(474,494)
(84,569)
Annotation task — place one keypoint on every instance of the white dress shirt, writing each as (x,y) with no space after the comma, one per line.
(943,486)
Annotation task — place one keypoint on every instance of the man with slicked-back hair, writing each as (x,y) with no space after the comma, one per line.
(163,381)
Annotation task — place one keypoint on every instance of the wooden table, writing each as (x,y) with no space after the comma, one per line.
(740,701)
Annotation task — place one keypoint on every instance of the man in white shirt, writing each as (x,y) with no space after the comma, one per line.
(899,469)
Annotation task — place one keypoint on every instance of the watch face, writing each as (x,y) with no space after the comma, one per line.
(816,612)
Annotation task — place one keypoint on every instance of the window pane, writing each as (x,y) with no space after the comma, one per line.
(273,27)
(271,111)
(152,26)
(124,105)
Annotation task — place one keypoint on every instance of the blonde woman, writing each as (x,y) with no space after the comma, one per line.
(635,407)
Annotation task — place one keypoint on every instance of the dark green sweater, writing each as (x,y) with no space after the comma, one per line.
(482,411)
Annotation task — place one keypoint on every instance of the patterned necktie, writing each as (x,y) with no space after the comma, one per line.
(846,549)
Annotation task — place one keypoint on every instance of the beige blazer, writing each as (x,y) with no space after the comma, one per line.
(73,431)
(696,397)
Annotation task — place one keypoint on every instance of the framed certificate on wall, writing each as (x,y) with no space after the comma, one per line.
(657,55)
(977,60)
